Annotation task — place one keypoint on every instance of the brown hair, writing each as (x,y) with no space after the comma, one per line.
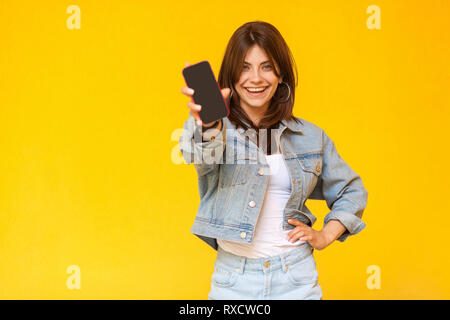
(268,38)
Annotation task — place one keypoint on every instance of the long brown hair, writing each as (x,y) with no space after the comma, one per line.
(268,38)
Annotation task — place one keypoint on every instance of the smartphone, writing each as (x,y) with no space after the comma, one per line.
(200,77)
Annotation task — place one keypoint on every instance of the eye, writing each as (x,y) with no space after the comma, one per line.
(267,67)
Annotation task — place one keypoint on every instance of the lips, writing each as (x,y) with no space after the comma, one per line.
(256,88)
(257,93)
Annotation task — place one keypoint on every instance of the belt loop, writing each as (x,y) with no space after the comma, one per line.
(242,265)
(283,263)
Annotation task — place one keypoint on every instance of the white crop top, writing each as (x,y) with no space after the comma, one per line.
(269,239)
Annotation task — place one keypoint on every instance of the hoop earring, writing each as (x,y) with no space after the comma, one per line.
(289,95)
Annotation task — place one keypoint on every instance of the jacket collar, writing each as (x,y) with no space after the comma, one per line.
(292,125)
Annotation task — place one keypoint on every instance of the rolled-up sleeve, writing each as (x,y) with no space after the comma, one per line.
(205,154)
(342,189)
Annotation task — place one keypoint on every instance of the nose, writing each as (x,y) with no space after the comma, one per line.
(255,76)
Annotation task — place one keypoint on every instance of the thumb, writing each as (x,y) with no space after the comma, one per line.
(226,92)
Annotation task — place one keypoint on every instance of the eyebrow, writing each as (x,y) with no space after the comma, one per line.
(245,62)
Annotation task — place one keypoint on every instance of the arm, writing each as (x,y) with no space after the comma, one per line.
(345,195)
(317,239)
(333,230)
(203,147)
(343,191)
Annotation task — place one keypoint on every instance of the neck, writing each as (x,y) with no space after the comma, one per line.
(255,113)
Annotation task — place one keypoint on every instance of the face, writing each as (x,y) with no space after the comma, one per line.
(257,73)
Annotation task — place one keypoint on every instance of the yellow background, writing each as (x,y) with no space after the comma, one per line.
(88,126)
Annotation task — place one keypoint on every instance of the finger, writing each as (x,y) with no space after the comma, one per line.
(296,235)
(194,111)
(294,231)
(194,107)
(226,92)
(198,121)
(299,233)
(296,222)
(187,91)
(306,238)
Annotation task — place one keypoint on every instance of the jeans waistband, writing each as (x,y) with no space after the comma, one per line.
(267,264)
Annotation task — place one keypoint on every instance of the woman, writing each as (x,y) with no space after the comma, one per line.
(257,167)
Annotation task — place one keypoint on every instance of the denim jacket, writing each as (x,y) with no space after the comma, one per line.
(233,177)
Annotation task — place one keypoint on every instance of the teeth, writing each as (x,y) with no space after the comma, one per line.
(255,89)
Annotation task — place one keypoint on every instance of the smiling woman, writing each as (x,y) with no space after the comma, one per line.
(256,80)
(257,57)
(259,68)
(254,214)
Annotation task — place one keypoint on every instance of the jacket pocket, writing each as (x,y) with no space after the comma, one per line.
(311,167)
(303,271)
(311,163)
(233,174)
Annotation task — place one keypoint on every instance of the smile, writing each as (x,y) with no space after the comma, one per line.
(254,92)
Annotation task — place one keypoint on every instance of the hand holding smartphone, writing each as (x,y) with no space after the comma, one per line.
(208,101)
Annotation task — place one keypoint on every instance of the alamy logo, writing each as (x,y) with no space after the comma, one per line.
(374,20)
(74,280)
(74,20)
(374,280)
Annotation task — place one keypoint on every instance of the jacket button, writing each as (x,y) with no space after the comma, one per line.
(261,172)
(267,264)
(318,167)
(243,235)
(252,204)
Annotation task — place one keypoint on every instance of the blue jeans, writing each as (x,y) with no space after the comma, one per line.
(289,276)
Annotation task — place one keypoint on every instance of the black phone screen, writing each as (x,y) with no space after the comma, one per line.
(200,77)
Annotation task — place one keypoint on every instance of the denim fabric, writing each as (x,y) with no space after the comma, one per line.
(233,177)
(289,276)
